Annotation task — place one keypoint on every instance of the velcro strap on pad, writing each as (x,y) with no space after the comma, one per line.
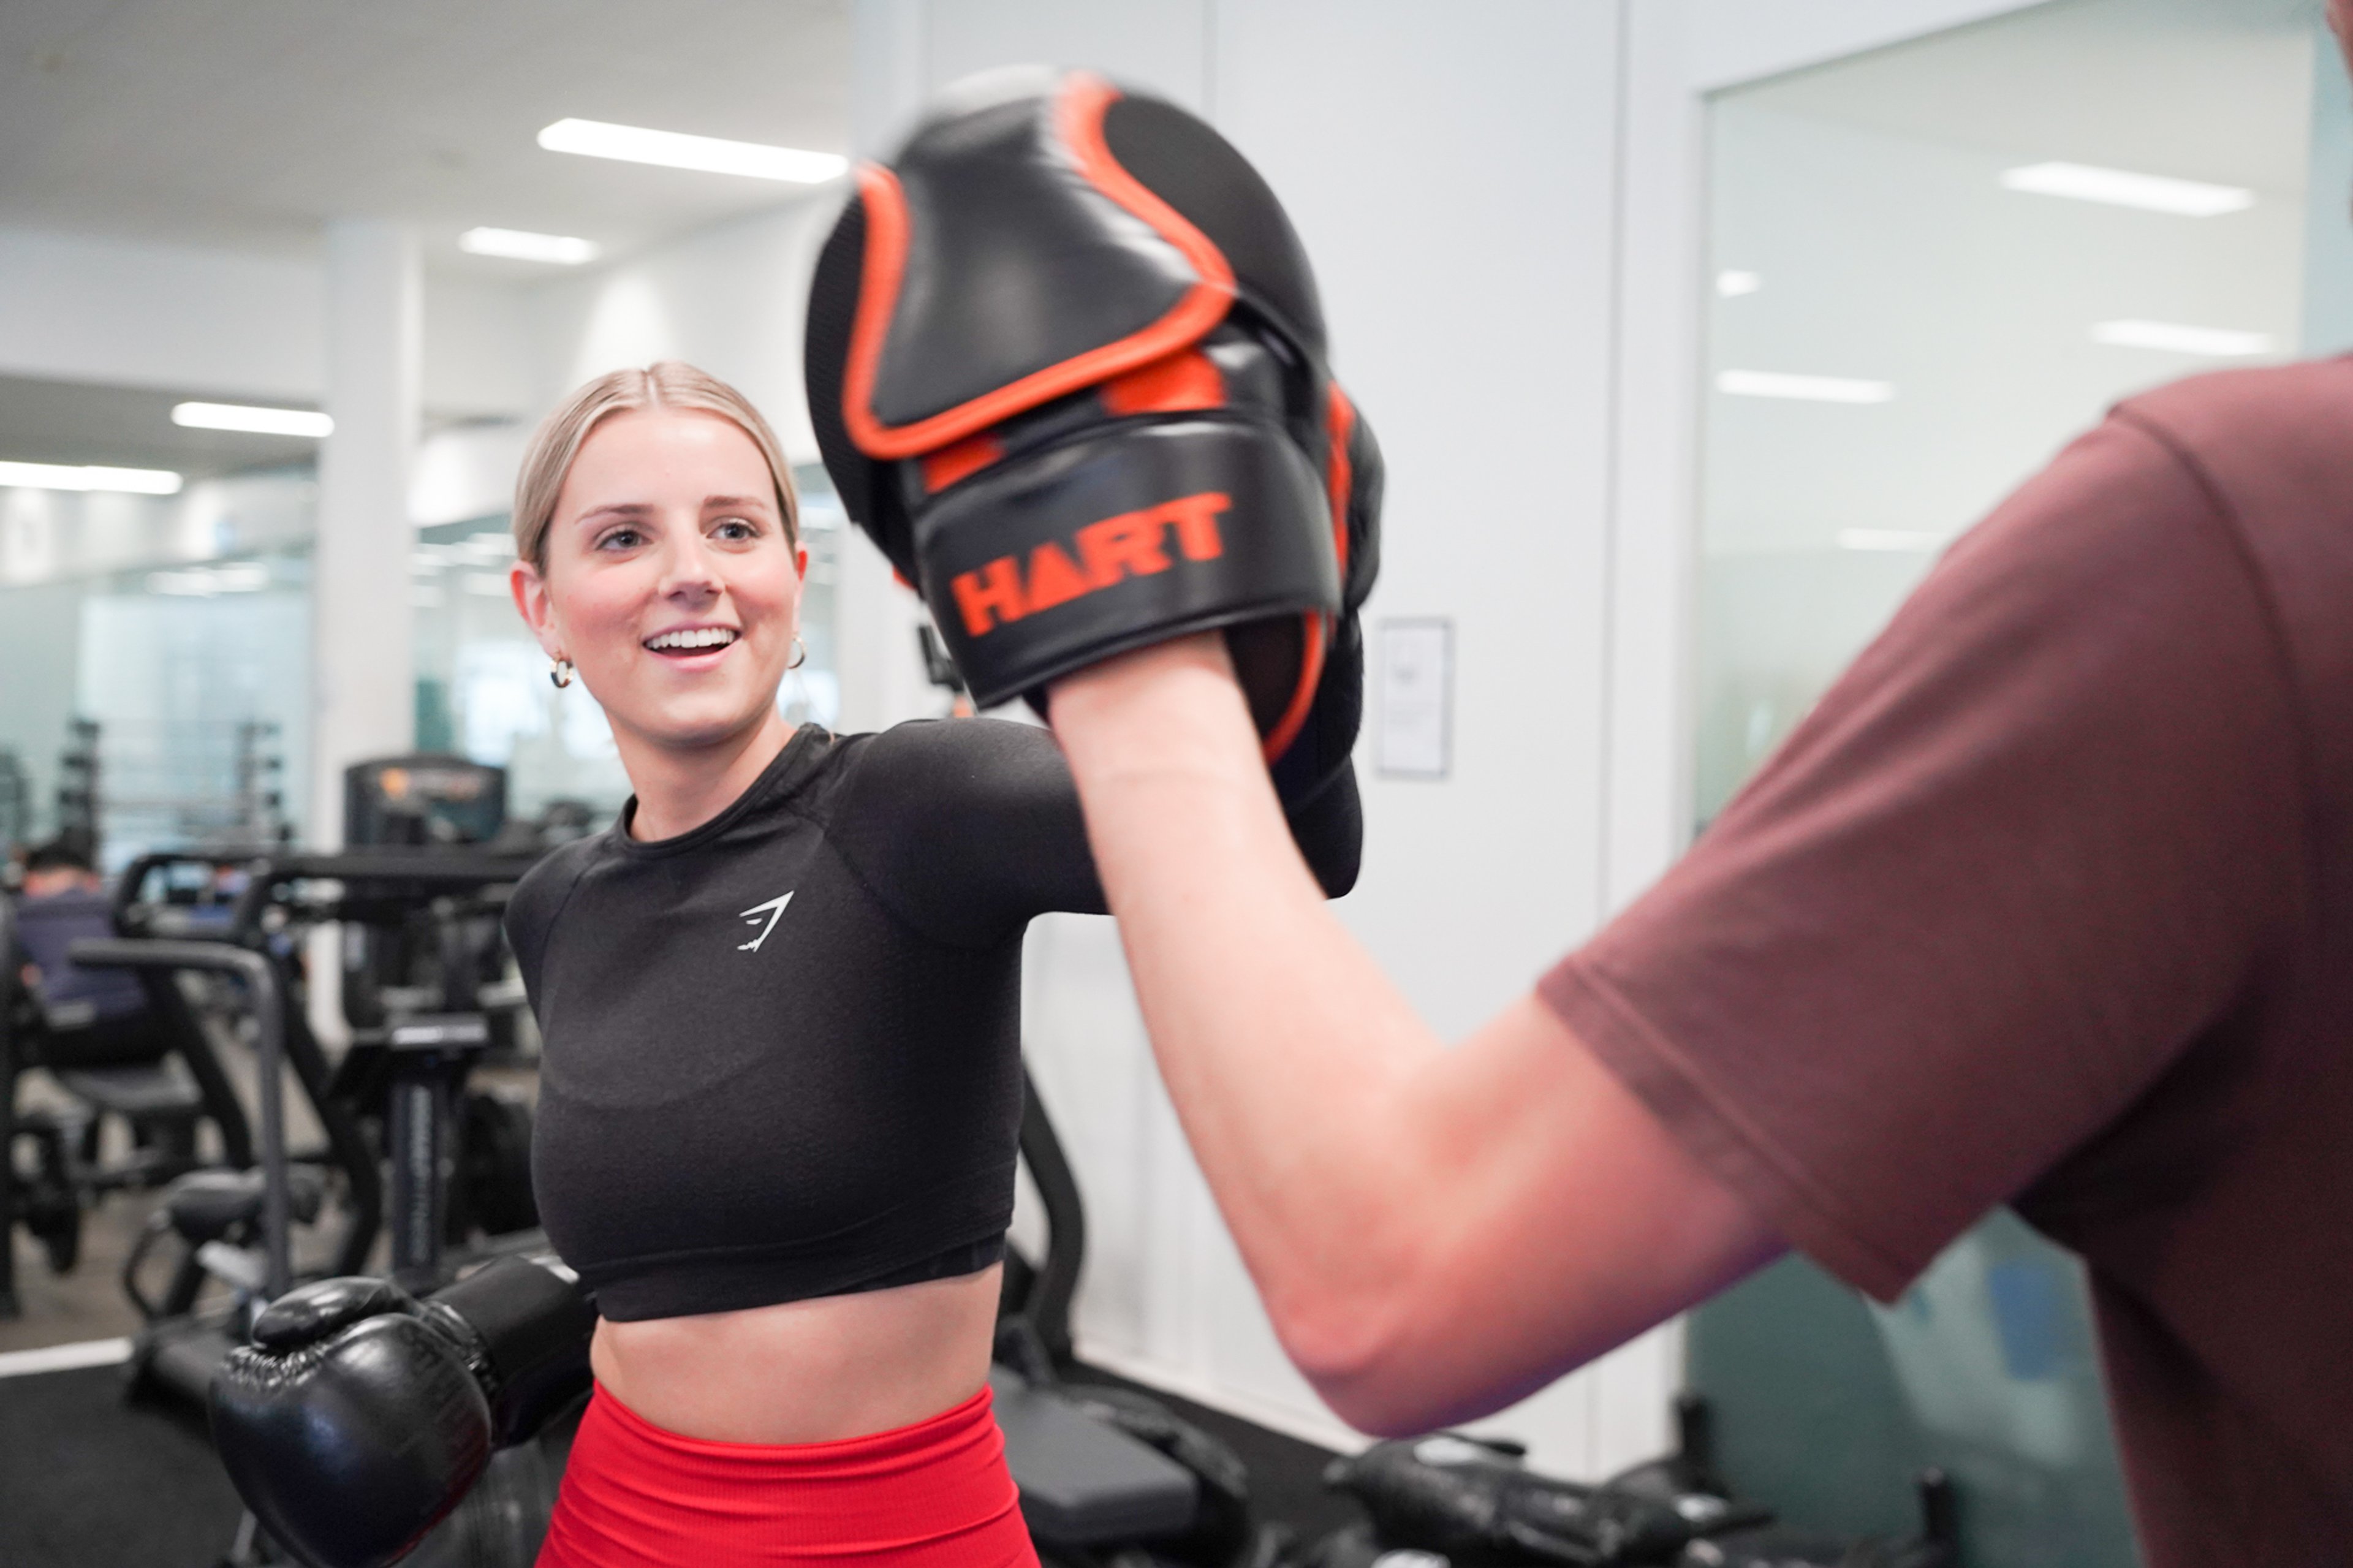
(1146,531)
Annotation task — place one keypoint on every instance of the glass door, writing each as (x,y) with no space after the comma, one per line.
(1932,266)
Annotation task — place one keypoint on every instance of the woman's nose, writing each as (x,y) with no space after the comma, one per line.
(687,569)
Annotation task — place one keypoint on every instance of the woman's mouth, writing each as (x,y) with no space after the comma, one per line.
(690,642)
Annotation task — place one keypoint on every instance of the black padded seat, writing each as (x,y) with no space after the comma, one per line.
(1084,1483)
(139,1092)
(204,1205)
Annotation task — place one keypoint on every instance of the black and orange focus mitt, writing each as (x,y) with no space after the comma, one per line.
(1066,366)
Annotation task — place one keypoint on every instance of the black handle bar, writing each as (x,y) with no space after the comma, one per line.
(270,1051)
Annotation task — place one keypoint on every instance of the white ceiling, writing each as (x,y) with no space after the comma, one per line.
(60,422)
(249,122)
(2207,90)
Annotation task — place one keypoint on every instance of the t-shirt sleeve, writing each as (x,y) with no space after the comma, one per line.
(971,827)
(2027,848)
(532,909)
(968,827)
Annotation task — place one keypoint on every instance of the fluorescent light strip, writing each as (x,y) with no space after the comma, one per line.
(1803,388)
(2207,342)
(1733,285)
(675,150)
(521,245)
(252,421)
(1888,539)
(2122,188)
(71,476)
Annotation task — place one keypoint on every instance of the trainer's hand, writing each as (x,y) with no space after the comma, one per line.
(1173,705)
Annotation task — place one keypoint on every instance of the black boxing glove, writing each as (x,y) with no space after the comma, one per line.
(1066,364)
(359,1416)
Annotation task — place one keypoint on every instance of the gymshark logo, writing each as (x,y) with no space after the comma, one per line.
(773,909)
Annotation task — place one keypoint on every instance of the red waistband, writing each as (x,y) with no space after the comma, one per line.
(933,1495)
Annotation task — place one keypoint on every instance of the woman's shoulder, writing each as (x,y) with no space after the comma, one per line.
(543,892)
(951,753)
(933,778)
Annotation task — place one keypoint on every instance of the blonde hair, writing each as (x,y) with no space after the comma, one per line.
(670,383)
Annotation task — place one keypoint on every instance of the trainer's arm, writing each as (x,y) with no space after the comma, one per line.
(1436,1232)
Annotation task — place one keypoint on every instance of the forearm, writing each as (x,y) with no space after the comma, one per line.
(1435,1230)
(1288,1054)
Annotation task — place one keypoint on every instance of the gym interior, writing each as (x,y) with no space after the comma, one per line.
(1695,331)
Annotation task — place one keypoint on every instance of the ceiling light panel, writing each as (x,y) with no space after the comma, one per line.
(1803,388)
(2124,188)
(675,150)
(252,421)
(1733,285)
(78,477)
(521,245)
(2174,337)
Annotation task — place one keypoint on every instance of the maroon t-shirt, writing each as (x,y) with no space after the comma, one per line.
(2050,902)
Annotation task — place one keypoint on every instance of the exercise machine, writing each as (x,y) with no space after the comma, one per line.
(239,1222)
(1109,1476)
(1452,1499)
(122,1048)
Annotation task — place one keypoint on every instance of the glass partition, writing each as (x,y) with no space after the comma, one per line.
(155,664)
(1931,267)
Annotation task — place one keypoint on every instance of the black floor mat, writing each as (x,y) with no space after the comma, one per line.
(88,1481)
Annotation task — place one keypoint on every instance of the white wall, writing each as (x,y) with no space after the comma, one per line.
(236,323)
(729,298)
(156,315)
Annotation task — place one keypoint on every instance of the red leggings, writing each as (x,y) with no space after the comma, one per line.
(934,1495)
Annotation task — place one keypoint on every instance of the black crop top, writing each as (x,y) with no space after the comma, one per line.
(783,1051)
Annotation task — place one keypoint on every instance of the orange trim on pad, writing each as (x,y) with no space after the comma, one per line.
(1311,670)
(968,457)
(1340,475)
(1185,380)
(1078,122)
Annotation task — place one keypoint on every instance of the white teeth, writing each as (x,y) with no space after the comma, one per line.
(701,637)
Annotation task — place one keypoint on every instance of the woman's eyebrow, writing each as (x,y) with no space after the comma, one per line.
(737,501)
(617,508)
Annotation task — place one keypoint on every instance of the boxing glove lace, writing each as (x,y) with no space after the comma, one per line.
(360,1416)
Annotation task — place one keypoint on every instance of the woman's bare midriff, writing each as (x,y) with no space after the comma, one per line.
(806,1372)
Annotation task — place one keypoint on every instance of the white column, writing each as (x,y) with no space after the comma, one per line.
(876,619)
(363,666)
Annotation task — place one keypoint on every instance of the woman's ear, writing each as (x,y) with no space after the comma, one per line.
(530,590)
(800,561)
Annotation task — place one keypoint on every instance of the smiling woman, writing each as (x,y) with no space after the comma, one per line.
(780,999)
(660,554)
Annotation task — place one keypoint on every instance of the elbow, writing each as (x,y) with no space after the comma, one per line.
(1359,1350)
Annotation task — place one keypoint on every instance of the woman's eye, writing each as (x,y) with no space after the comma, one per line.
(621,539)
(734,528)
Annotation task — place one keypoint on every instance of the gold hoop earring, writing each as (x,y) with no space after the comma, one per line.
(801,657)
(560,676)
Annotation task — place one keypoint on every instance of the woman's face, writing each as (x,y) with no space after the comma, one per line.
(669,583)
